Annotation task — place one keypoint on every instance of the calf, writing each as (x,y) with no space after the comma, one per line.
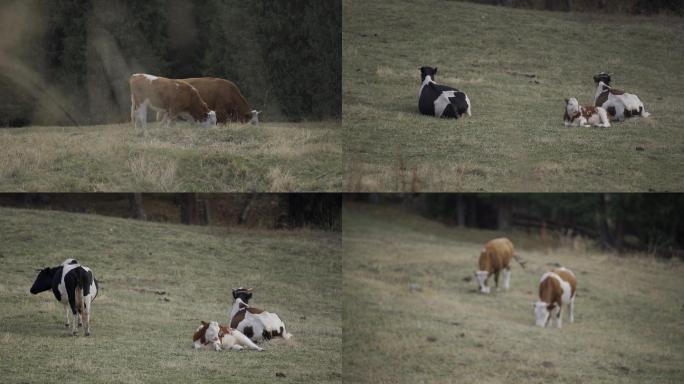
(618,104)
(172,97)
(220,336)
(73,285)
(440,100)
(580,115)
(255,323)
(555,288)
(495,257)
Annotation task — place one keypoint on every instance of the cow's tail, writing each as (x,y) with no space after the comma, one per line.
(519,260)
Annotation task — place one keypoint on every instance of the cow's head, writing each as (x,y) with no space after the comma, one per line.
(427,71)
(211,335)
(243,294)
(481,278)
(43,280)
(572,107)
(603,76)
(211,119)
(542,312)
(253,117)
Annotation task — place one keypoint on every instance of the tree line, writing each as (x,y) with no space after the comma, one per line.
(652,223)
(68,61)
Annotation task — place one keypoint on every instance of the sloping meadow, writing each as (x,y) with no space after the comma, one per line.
(157,281)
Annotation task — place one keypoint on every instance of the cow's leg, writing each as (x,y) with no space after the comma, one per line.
(496,279)
(571,309)
(133,111)
(559,314)
(86,314)
(217,346)
(244,340)
(66,314)
(72,303)
(507,277)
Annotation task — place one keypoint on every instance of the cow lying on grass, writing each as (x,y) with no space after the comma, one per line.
(618,104)
(577,115)
(556,288)
(495,257)
(73,285)
(440,100)
(218,337)
(255,323)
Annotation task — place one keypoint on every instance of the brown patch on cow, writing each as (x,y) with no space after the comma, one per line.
(199,334)
(496,255)
(550,292)
(240,315)
(588,111)
(223,97)
(224,330)
(616,91)
(174,96)
(603,97)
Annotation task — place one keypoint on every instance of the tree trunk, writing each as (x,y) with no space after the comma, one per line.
(504,214)
(245,209)
(189,211)
(460,211)
(604,221)
(136,206)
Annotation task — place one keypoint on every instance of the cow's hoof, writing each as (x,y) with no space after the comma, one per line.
(87,333)
(80,325)
(66,324)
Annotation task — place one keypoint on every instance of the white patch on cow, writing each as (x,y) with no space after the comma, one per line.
(481,277)
(541,313)
(468,101)
(442,102)
(236,340)
(210,120)
(255,117)
(152,78)
(507,278)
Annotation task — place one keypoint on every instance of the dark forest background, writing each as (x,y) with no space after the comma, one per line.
(256,210)
(650,223)
(637,7)
(68,61)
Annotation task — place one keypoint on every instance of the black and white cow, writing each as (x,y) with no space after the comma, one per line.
(73,285)
(255,323)
(619,104)
(440,100)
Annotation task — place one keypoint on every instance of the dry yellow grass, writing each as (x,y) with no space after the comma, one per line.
(234,157)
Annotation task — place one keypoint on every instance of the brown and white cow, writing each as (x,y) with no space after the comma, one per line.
(577,115)
(219,336)
(495,257)
(255,323)
(556,288)
(224,97)
(172,97)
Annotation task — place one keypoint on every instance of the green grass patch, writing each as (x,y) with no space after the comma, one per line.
(517,67)
(140,336)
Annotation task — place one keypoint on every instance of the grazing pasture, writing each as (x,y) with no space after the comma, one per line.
(413,313)
(517,67)
(157,281)
(273,157)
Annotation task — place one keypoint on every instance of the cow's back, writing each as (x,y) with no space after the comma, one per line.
(499,252)
(158,90)
(222,96)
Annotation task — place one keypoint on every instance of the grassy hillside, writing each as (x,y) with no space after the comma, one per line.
(142,336)
(236,157)
(517,66)
(413,314)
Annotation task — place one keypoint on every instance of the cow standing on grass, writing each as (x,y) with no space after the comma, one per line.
(495,257)
(73,285)
(255,323)
(440,100)
(172,97)
(556,288)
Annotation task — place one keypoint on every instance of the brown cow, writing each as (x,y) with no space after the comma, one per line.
(495,257)
(224,97)
(172,97)
(556,288)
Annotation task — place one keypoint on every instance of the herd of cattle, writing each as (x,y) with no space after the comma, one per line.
(206,100)
(556,287)
(609,103)
(75,286)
